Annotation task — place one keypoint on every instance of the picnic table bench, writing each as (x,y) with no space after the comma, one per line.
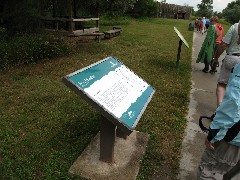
(89,32)
(115,31)
(96,34)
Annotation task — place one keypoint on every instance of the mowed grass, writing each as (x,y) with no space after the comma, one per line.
(44,126)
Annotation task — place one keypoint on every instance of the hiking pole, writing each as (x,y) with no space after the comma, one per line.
(234,171)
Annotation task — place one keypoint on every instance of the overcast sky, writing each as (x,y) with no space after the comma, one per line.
(218,5)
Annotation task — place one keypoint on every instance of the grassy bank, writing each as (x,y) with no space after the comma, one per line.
(45,126)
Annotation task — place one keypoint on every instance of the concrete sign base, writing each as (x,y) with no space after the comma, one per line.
(127,156)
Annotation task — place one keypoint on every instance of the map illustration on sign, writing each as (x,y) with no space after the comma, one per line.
(181,37)
(115,88)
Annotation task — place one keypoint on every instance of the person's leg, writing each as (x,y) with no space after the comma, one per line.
(228,63)
(214,68)
(220,91)
(222,80)
(215,163)
(206,66)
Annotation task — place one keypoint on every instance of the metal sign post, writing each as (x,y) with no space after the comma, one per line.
(179,52)
(107,140)
(182,40)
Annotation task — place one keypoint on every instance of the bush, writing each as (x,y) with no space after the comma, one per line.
(30,49)
(3,34)
(106,21)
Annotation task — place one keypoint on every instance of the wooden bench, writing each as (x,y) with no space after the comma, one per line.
(88,32)
(96,34)
(115,31)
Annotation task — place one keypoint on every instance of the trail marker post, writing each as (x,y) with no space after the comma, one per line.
(180,45)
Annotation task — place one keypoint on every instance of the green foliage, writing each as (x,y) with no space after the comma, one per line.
(205,8)
(144,8)
(29,49)
(116,21)
(194,17)
(116,7)
(111,8)
(19,16)
(232,11)
(218,14)
(224,22)
(3,34)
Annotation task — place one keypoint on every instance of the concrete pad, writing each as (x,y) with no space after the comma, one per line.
(127,156)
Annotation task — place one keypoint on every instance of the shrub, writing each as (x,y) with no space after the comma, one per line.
(30,49)
(106,21)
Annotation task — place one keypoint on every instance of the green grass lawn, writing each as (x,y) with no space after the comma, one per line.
(44,126)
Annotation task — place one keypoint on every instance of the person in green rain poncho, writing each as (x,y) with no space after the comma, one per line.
(209,46)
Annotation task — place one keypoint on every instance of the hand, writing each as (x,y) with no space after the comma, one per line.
(208,144)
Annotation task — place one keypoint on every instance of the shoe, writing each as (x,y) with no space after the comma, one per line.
(204,70)
(212,71)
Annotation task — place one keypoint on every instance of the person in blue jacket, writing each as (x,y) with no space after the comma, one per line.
(207,23)
(222,151)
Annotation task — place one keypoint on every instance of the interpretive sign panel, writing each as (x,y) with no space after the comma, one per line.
(181,37)
(114,89)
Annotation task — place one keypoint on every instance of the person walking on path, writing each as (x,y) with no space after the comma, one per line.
(203,25)
(222,152)
(207,23)
(230,43)
(196,23)
(211,42)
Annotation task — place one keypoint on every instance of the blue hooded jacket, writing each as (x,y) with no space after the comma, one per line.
(226,123)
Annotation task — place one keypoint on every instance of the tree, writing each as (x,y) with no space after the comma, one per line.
(145,8)
(205,8)
(232,11)
(18,16)
(218,14)
(116,7)
(103,7)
